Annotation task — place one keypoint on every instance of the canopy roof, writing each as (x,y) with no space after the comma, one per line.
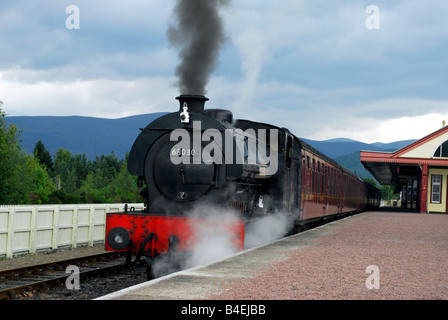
(395,168)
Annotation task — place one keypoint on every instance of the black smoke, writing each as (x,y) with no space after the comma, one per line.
(198,31)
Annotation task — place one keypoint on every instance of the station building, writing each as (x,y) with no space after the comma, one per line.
(419,170)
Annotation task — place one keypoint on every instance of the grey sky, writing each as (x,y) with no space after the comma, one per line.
(311,66)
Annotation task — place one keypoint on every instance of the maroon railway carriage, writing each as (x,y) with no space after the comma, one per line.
(329,189)
(261,170)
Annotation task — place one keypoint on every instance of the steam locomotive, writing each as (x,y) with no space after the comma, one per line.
(199,158)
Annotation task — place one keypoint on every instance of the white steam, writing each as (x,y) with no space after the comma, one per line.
(266,229)
(214,237)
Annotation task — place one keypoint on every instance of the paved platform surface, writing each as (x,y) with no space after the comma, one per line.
(372,255)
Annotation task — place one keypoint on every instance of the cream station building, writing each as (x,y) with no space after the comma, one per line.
(420,170)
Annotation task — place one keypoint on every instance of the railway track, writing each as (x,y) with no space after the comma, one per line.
(15,282)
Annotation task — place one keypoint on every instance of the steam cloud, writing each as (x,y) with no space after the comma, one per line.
(199,34)
(214,241)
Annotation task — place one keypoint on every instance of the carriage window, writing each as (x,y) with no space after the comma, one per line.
(318,177)
(323,181)
(330,182)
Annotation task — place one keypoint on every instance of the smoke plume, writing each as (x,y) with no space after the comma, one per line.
(198,31)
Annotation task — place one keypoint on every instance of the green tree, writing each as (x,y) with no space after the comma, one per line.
(387,193)
(14,183)
(71,170)
(43,184)
(123,188)
(105,169)
(64,171)
(43,155)
(371,181)
(31,178)
(90,193)
(22,179)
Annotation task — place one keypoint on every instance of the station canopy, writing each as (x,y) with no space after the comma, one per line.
(397,168)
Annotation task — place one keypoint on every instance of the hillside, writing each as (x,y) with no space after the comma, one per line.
(346,152)
(97,136)
(92,136)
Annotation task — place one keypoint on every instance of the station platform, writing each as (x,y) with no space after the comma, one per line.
(373,255)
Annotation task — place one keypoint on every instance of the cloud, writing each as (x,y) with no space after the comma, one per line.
(34,34)
(112,98)
(311,66)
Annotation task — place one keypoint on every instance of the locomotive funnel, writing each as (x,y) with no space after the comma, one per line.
(195,103)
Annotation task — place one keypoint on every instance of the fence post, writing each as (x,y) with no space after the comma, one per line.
(91,224)
(32,245)
(75,227)
(9,239)
(55,239)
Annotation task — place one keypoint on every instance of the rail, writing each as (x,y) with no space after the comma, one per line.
(13,282)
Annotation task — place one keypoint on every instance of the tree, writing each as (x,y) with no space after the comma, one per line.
(43,184)
(31,178)
(42,154)
(387,193)
(123,188)
(22,179)
(371,181)
(105,169)
(13,183)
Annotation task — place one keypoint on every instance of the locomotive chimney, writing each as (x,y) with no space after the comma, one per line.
(195,103)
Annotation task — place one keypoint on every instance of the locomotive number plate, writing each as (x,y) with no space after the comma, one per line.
(183,152)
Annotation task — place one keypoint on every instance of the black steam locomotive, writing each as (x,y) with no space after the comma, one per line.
(203,156)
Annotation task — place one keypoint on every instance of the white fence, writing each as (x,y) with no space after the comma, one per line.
(34,228)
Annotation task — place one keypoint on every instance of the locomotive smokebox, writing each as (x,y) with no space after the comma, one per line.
(195,103)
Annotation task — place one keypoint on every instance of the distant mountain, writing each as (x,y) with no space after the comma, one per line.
(341,146)
(92,136)
(353,163)
(393,146)
(341,140)
(338,147)
(346,152)
(97,136)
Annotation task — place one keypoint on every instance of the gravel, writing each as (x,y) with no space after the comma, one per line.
(90,288)
(410,251)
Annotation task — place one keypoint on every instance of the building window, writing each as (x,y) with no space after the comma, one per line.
(436,189)
(442,150)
